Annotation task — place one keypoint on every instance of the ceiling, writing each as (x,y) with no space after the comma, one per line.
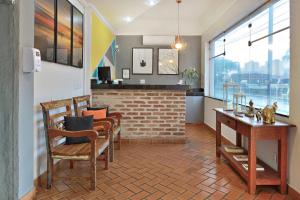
(159,17)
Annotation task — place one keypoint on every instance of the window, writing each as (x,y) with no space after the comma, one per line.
(256,55)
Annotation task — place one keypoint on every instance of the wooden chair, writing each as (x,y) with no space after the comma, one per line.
(53,124)
(83,102)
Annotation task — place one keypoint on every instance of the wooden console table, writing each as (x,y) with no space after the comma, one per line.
(254,131)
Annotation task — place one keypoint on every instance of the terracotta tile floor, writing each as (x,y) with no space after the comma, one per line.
(165,171)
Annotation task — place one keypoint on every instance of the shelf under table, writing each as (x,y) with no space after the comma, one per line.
(267,177)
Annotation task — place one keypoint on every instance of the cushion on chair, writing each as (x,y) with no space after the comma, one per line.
(100,108)
(78,124)
(97,114)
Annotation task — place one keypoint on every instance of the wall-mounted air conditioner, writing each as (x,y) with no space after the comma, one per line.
(158,40)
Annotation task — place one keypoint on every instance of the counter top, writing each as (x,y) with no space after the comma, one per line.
(94,86)
(195,92)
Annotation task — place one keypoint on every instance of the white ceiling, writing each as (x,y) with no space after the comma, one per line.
(161,19)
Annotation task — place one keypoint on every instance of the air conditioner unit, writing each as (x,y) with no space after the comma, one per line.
(158,40)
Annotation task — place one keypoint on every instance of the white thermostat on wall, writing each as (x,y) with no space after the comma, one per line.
(32,61)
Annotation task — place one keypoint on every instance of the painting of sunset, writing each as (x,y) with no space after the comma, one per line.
(77,38)
(63,52)
(44,28)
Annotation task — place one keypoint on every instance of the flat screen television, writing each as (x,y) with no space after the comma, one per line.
(104,74)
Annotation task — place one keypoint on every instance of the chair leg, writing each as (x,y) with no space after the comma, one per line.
(49,172)
(111,147)
(71,164)
(106,153)
(119,141)
(93,173)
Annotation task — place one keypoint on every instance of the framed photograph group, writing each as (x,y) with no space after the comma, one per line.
(58,32)
(167,61)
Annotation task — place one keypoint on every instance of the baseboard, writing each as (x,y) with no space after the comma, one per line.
(30,195)
(225,140)
(292,193)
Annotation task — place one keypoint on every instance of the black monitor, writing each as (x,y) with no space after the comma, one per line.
(104,74)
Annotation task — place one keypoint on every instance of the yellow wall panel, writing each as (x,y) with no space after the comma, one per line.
(102,37)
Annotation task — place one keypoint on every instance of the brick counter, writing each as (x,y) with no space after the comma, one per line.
(151,116)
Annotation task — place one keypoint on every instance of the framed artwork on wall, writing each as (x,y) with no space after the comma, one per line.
(125,73)
(168,62)
(142,61)
(44,29)
(58,32)
(77,46)
(63,49)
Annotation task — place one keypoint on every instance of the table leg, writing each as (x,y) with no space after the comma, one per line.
(252,163)
(282,160)
(238,139)
(218,138)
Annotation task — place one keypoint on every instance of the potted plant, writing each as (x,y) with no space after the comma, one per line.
(190,75)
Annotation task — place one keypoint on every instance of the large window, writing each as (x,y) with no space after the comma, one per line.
(256,55)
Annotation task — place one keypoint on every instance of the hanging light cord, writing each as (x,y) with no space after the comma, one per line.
(178,2)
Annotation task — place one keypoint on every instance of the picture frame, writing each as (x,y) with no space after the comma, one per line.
(77,38)
(142,61)
(59,31)
(125,73)
(64,32)
(44,29)
(168,62)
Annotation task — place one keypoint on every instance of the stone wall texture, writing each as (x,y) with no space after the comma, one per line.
(147,114)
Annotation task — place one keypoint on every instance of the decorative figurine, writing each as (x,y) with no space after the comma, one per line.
(251,109)
(268,113)
(258,115)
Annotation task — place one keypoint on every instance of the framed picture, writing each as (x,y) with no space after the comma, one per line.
(77,45)
(126,73)
(58,32)
(142,61)
(168,62)
(64,32)
(44,28)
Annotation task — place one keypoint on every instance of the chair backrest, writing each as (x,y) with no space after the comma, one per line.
(53,113)
(61,107)
(81,103)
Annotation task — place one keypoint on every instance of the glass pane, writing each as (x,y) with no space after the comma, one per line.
(260,25)
(281,15)
(219,77)
(63,54)
(77,38)
(255,74)
(262,70)
(280,50)
(218,46)
(44,28)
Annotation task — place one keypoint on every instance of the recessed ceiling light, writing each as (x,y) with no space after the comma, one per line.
(152,2)
(128,19)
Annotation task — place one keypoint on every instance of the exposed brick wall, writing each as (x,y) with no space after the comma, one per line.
(146,113)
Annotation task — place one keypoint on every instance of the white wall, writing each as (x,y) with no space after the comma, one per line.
(26,91)
(266,150)
(53,83)
(56,82)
